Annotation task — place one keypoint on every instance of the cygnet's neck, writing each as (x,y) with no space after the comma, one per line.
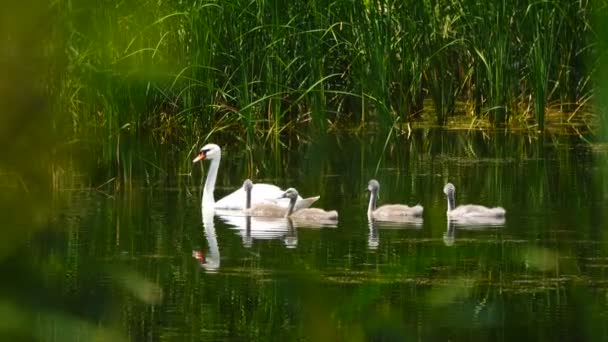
(248,199)
(373,198)
(451,202)
(292,204)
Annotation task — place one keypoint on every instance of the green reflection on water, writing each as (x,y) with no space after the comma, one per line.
(99,263)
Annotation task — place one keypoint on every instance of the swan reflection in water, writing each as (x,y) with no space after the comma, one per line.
(209,261)
(470,223)
(248,228)
(404,222)
(290,238)
(252,228)
(258,228)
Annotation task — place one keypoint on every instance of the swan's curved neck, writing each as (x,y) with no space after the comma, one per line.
(292,204)
(451,202)
(373,198)
(208,200)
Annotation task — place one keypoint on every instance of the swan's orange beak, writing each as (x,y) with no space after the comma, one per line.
(200,156)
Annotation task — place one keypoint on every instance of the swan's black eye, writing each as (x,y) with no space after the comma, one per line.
(204,151)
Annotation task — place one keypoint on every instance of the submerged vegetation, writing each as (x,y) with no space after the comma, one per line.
(183,70)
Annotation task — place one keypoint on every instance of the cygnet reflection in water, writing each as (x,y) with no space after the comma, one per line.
(469,224)
(373,240)
(291,238)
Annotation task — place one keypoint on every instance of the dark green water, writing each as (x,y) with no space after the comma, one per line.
(144,265)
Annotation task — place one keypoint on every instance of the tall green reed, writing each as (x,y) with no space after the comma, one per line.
(600,77)
(490,44)
(179,73)
(441,42)
(545,23)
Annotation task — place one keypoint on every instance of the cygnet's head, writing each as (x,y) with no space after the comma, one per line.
(247,185)
(209,151)
(373,186)
(291,193)
(449,189)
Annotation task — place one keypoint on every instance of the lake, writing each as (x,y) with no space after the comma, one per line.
(146,265)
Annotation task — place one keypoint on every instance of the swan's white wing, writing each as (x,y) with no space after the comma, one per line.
(301,203)
(260,193)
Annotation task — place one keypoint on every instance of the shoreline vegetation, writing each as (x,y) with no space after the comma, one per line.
(91,83)
(179,72)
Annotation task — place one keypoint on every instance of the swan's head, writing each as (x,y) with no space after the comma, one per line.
(373,186)
(449,189)
(291,193)
(247,185)
(209,151)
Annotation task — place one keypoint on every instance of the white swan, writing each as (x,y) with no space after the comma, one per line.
(468,211)
(388,212)
(306,214)
(235,200)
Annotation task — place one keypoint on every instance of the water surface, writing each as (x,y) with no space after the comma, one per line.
(146,264)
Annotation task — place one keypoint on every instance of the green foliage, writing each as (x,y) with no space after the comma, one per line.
(177,71)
